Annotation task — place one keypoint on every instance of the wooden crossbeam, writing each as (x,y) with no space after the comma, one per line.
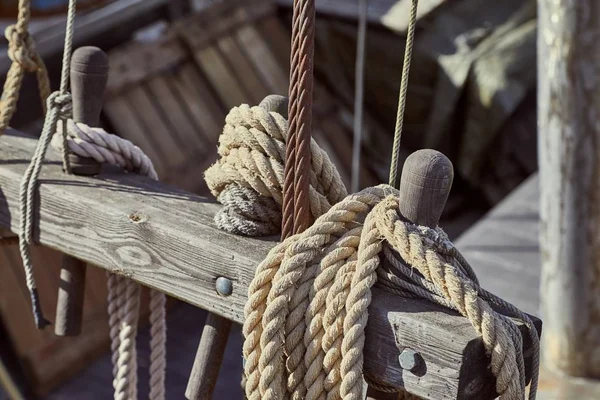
(165,238)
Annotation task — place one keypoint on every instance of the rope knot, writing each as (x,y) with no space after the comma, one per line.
(21,48)
(62,103)
(248,178)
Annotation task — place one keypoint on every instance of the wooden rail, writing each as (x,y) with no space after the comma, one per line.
(166,239)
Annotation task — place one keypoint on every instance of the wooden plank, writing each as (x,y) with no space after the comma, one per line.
(123,118)
(243,70)
(392,14)
(505,243)
(206,111)
(88,25)
(166,239)
(268,67)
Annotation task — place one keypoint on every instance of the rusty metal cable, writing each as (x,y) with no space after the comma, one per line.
(296,212)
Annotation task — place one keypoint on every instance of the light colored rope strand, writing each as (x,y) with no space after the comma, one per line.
(359,84)
(394,167)
(59,107)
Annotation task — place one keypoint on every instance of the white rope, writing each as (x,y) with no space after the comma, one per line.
(59,107)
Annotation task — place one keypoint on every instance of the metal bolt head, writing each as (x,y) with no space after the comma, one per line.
(224,286)
(410,360)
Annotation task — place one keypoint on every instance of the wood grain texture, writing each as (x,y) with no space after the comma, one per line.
(570,183)
(166,239)
(424,187)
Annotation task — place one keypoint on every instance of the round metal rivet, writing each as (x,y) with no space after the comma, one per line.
(410,360)
(224,286)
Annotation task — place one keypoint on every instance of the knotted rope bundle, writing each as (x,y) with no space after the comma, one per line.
(248,178)
(307,306)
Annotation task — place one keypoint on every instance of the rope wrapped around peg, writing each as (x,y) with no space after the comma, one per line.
(307,305)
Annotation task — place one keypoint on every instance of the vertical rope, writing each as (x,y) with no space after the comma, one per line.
(296,213)
(59,107)
(359,83)
(394,176)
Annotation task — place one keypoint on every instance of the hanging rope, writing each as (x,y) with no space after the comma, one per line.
(24,57)
(296,214)
(410,38)
(359,82)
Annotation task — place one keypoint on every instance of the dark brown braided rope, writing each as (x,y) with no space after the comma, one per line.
(296,213)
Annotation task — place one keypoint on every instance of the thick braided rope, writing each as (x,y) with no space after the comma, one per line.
(248,178)
(296,215)
(104,147)
(329,248)
(24,57)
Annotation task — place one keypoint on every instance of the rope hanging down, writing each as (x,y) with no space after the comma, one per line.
(306,309)
(410,38)
(59,108)
(24,57)
(296,214)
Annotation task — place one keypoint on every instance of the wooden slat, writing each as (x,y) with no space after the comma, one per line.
(166,239)
(392,14)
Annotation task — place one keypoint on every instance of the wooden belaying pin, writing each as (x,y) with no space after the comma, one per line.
(425,184)
(424,187)
(89,75)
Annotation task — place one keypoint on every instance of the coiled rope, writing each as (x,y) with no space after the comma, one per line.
(24,57)
(123,296)
(248,178)
(306,309)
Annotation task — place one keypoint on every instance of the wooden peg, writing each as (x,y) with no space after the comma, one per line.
(424,187)
(425,184)
(209,357)
(89,74)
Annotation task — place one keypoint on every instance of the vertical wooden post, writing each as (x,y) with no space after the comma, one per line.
(89,75)
(569,157)
(425,184)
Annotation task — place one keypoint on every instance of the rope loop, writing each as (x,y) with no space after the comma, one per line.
(62,103)
(21,48)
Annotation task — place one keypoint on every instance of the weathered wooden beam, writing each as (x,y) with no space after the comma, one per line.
(166,239)
(569,97)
